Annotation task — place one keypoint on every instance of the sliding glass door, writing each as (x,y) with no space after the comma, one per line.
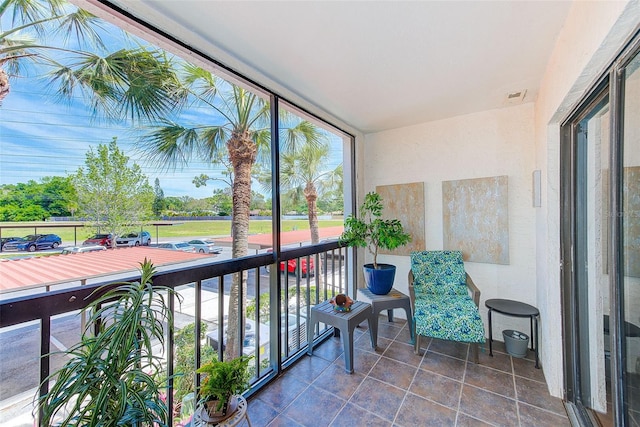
(600,244)
(629,244)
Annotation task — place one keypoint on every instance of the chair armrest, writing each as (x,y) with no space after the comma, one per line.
(475,292)
(412,292)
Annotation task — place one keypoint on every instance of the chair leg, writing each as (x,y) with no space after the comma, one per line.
(416,347)
(474,351)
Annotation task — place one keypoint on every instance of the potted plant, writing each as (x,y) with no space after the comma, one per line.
(370,231)
(111,378)
(223,381)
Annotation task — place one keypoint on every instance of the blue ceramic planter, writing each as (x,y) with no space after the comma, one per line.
(380,280)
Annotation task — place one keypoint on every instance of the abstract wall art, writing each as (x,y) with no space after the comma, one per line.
(476,220)
(406,203)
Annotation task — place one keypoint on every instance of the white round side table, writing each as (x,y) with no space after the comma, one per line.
(232,421)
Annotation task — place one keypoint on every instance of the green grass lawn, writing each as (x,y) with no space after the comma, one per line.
(178,229)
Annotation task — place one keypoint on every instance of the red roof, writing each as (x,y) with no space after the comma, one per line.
(288,237)
(56,269)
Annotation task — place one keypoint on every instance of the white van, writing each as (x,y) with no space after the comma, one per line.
(80,249)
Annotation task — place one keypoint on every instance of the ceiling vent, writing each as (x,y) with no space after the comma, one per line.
(516,97)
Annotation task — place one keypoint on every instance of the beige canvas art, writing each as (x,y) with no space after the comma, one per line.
(406,203)
(476,220)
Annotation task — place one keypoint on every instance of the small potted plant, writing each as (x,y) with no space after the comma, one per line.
(223,381)
(370,231)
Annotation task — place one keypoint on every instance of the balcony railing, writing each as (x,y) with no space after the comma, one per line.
(274,325)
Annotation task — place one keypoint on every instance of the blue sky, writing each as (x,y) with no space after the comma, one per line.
(40,137)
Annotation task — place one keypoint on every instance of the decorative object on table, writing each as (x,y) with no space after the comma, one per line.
(224,380)
(341,302)
(515,342)
(442,307)
(370,231)
(108,379)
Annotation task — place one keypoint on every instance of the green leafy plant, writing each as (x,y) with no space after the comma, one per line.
(223,380)
(370,231)
(111,377)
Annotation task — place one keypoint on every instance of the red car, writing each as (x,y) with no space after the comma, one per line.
(98,239)
(292,266)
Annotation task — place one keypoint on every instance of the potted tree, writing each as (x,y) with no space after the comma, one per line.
(111,378)
(369,230)
(223,381)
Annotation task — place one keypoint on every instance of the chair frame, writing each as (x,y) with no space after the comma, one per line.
(475,295)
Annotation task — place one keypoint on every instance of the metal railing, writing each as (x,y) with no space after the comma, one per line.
(274,327)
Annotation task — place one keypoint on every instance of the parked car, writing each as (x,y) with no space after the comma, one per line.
(205,246)
(83,249)
(292,266)
(177,246)
(98,239)
(135,239)
(34,242)
(7,239)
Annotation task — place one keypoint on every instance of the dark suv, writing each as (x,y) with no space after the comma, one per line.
(34,242)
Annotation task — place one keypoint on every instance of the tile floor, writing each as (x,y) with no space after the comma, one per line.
(392,386)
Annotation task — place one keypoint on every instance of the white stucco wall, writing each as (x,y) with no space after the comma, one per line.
(512,141)
(592,34)
(490,143)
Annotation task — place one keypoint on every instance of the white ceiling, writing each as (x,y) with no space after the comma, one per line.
(376,65)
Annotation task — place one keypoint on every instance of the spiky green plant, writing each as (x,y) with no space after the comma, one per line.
(110,379)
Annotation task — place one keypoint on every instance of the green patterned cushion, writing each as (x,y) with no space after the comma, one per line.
(449,317)
(439,272)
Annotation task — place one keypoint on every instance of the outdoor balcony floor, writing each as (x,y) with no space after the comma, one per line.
(394,387)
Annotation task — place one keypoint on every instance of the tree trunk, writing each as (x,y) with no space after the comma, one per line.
(311,194)
(242,154)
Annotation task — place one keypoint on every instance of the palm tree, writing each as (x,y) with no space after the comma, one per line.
(240,128)
(31,21)
(138,83)
(305,172)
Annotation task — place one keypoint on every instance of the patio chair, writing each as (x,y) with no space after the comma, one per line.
(442,307)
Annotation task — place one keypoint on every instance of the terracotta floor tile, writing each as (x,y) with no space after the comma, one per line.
(261,413)
(352,415)
(391,386)
(402,353)
(382,399)
(393,372)
(444,365)
(417,411)
(336,381)
(437,388)
(305,409)
(531,416)
(536,393)
(490,379)
(279,394)
(467,421)
(489,407)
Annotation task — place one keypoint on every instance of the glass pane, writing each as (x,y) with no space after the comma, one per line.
(631,239)
(591,270)
(20,370)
